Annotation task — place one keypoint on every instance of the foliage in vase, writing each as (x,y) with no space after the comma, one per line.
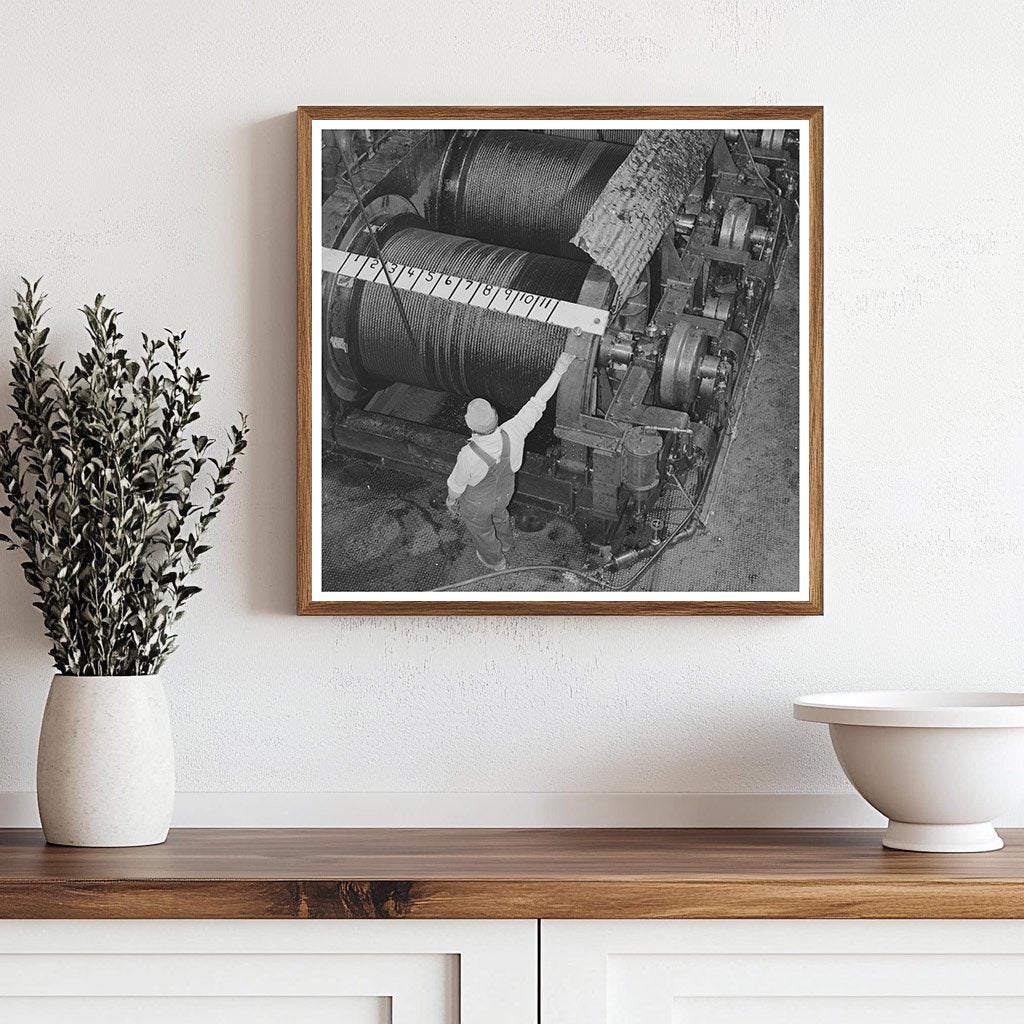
(109,494)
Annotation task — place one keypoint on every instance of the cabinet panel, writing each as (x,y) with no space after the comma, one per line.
(799,972)
(304,972)
(848,1010)
(189,1010)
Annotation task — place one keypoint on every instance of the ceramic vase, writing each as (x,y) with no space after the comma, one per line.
(105,771)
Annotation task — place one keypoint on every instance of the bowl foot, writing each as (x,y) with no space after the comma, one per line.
(980,838)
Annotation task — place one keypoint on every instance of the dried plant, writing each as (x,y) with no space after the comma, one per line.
(108,494)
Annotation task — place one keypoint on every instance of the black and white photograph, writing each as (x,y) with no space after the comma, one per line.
(559,361)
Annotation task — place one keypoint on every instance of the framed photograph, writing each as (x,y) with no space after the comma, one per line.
(560,360)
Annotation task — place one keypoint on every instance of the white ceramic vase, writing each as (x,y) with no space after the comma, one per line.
(105,771)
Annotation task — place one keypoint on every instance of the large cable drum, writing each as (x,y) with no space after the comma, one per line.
(464,349)
(521,188)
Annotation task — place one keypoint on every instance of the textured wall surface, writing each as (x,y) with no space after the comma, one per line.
(148,152)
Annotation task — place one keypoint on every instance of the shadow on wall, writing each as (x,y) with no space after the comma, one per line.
(21,632)
(22,643)
(269,316)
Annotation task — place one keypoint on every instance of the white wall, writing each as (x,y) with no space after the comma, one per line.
(148,152)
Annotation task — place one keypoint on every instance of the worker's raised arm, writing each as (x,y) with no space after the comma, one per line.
(526,419)
(550,386)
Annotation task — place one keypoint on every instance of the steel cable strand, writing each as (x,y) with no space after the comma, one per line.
(464,349)
(526,190)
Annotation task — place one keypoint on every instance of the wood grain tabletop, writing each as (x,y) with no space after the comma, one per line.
(508,873)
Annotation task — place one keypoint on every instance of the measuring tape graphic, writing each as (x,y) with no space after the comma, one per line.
(540,308)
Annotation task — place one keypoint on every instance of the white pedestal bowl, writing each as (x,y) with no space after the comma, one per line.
(940,766)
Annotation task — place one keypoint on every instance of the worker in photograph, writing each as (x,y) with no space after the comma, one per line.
(483,481)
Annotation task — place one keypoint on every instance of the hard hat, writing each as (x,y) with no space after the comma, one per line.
(481,416)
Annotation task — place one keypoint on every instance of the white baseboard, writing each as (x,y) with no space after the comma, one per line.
(494,810)
(503,810)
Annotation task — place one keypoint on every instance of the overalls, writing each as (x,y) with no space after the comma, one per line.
(484,506)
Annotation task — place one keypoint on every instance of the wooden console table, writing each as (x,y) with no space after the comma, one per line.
(507,873)
(493,926)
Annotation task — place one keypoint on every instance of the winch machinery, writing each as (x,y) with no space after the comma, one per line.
(467,266)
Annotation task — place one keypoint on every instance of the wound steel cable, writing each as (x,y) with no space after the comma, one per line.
(380,256)
(523,189)
(463,349)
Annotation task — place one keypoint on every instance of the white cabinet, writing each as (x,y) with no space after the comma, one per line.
(258,972)
(486,972)
(782,972)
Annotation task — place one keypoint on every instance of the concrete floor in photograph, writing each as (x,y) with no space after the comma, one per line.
(387,530)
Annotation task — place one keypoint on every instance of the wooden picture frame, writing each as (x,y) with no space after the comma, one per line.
(807,601)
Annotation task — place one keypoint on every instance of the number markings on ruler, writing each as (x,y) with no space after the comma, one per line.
(540,308)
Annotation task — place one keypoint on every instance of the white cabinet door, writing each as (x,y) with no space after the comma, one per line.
(258,972)
(782,972)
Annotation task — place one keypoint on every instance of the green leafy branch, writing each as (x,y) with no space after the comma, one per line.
(109,494)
